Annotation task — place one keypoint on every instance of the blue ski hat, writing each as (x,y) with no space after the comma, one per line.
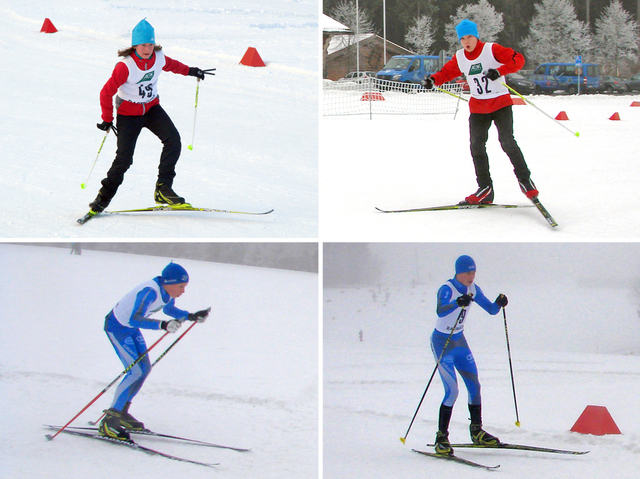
(465,264)
(142,33)
(467,27)
(173,273)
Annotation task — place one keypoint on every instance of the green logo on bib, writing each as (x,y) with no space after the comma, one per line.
(475,69)
(147,77)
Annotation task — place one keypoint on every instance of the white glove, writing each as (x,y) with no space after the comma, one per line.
(171,326)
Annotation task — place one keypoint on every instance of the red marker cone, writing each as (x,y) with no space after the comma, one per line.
(47,27)
(252,58)
(562,116)
(595,420)
(615,116)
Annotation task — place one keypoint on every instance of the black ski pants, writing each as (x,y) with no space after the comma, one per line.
(479,124)
(158,122)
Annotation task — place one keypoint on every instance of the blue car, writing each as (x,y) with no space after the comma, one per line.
(545,83)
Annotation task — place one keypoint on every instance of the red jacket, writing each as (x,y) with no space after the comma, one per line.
(119,77)
(511,60)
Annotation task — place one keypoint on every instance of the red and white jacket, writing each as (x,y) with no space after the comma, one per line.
(507,61)
(136,74)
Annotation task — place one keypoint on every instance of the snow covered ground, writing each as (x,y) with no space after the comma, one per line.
(247,377)
(256,140)
(572,345)
(588,184)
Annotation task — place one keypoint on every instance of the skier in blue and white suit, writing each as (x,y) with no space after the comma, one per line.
(123,325)
(455,298)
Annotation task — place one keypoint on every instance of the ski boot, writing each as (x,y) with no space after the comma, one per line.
(111,426)
(442,444)
(529,189)
(481,437)
(101,202)
(483,195)
(128,421)
(164,195)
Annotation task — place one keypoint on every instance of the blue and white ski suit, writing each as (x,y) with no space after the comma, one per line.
(457,355)
(122,326)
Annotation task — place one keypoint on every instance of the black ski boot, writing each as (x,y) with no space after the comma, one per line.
(442,444)
(165,195)
(482,195)
(128,421)
(101,202)
(529,189)
(111,426)
(478,435)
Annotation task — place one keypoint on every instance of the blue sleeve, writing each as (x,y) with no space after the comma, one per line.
(139,315)
(488,306)
(171,310)
(446,303)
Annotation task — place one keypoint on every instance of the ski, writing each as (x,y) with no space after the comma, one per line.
(185,207)
(147,432)
(132,445)
(544,212)
(459,206)
(457,459)
(519,447)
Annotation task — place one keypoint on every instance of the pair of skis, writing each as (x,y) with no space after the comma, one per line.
(502,445)
(92,433)
(183,207)
(469,206)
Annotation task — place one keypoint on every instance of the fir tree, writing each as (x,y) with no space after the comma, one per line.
(616,38)
(556,34)
(421,35)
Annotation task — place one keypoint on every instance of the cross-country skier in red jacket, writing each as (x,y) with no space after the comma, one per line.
(484,65)
(135,80)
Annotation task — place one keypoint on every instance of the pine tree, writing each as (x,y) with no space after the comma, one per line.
(616,38)
(556,34)
(421,35)
(489,22)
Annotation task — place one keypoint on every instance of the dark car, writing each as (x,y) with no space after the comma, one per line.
(611,84)
(520,84)
(633,83)
(545,83)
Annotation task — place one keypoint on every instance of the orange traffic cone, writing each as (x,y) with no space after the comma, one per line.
(562,116)
(615,116)
(252,58)
(595,420)
(47,27)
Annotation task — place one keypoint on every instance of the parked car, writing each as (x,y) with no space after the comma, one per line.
(461,80)
(611,84)
(520,83)
(633,83)
(569,75)
(358,77)
(409,68)
(545,83)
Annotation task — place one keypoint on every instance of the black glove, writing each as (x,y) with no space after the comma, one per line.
(199,74)
(492,74)
(200,316)
(105,125)
(464,300)
(427,83)
(502,300)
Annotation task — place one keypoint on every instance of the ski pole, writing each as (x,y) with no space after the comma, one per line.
(50,437)
(84,185)
(460,317)
(195,112)
(513,384)
(574,133)
(156,361)
(450,93)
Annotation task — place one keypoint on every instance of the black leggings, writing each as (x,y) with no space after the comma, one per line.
(158,122)
(479,124)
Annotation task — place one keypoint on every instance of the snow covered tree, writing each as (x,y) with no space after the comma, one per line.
(421,35)
(489,22)
(345,13)
(616,39)
(556,34)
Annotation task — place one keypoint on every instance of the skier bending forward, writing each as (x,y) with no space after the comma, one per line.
(459,292)
(122,326)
